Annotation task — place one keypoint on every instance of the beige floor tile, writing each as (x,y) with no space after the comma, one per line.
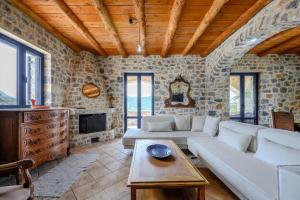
(106,159)
(97,171)
(114,192)
(108,180)
(113,152)
(86,191)
(122,173)
(120,155)
(113,166)
(84,179)
(69,195)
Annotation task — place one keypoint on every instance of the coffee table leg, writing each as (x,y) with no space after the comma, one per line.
(201,193)
(133,193)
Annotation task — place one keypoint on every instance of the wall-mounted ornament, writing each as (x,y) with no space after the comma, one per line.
(179,94)
(90,90)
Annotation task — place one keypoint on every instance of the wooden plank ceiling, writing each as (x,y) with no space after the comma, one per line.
(282,43)
(167,26)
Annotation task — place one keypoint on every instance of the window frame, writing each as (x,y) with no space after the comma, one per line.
(21,72)
(255,76)
(139,115)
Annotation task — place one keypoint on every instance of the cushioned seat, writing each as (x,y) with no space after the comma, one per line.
(249,177)
(16,192)
(179,137)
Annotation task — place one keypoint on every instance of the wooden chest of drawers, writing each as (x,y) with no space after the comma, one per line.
(40,135)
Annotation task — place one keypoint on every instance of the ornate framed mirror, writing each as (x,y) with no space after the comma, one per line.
(90,90)
(179,94)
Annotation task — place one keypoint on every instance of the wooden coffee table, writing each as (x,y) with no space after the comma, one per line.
(177,171)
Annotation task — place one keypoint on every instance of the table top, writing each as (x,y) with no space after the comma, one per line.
(177,170)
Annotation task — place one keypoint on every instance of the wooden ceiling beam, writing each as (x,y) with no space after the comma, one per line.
(174,19)
(295,50)
(109,26)
(243,19)
(276,40)
(78,25)
(18,4)
(139,7)
(206,21)
(283,47)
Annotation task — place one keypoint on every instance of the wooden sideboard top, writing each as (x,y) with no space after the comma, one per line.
(32,109)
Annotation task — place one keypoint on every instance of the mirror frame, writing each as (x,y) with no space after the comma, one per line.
(92,84)
(168,102)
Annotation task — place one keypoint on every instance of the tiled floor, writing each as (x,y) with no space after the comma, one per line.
(106,178)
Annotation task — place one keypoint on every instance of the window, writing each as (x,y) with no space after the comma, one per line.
(138,98)
(21,77)
(244,97)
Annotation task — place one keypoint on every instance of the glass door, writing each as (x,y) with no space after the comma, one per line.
(244,97)
(138,98)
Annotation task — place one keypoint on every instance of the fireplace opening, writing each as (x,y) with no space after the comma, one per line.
(91,123)
(95,140)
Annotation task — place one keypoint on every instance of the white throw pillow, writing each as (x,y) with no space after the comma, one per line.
(236,140)
(198,123)
(182,123)
(211,125)
(165,126)
(277,154)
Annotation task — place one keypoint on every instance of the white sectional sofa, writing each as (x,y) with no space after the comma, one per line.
(247,177)
(247,158)
(179,137)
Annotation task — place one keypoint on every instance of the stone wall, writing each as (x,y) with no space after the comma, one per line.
(279,15)
(86,69)
(279,83)
(57,62)
(165,70)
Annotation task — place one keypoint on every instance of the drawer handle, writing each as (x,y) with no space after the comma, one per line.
(32,117)
(51,126)
(52,114)
(32,142)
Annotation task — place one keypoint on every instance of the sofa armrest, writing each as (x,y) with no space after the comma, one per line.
(289,182)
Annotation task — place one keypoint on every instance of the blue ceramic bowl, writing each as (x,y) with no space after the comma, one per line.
(159,151)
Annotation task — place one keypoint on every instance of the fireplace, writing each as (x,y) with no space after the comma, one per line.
(91,123)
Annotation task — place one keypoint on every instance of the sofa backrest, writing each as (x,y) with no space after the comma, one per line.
(242,128)
(156,118)
(280,136)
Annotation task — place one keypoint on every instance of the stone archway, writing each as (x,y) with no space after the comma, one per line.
(278,16)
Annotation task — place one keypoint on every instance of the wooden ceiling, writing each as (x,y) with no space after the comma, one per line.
(166,26)
(282,43)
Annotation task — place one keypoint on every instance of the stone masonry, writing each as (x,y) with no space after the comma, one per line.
(279,15)
(279,83)
(85,69)
(165,70)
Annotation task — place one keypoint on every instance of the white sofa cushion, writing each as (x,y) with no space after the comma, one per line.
(179,137)
(277,154)
(235,139)
(243,128)
(160,126)
(156,118)
(280,136)
(251,177)
(182,122)
(198,123)
(211,125)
